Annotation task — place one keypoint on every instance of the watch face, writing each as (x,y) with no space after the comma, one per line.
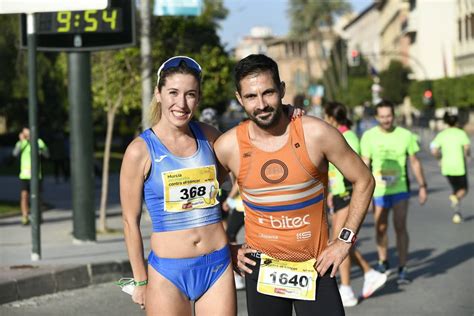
(345,234)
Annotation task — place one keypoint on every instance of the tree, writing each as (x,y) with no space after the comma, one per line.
(197,37)
(52,97)
(353,84)
(309,17)
(395,82)
(116,88)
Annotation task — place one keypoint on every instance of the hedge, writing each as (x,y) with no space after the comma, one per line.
(458,92)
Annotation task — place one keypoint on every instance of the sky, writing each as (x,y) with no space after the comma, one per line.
(245,14)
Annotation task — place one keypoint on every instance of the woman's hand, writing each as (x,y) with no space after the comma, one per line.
(138,296)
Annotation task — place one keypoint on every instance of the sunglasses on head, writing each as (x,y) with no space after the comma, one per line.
(175,62)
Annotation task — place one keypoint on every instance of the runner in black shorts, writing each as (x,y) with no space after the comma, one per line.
(452,147)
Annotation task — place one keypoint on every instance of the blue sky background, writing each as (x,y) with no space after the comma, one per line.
(245,14)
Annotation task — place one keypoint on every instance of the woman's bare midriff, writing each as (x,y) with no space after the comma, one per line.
(189,243)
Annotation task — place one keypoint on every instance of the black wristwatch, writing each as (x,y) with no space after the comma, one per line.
(347,235)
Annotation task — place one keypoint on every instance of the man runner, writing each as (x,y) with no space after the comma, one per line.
(452,146)
(281,168)
(385,148)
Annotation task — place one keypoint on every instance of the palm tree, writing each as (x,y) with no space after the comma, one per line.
(310,17)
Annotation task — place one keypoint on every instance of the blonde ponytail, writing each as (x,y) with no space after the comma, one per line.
(154,111)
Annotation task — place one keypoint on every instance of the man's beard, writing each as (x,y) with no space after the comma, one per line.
(271,121)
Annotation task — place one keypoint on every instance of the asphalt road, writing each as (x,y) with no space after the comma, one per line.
(440,263)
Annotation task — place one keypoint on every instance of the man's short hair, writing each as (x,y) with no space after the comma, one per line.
(385,104)
(450,119)
(255,64)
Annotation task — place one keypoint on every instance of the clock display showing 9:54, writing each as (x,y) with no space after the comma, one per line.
(90,21)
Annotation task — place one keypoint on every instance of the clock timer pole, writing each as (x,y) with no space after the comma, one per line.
(33,122)
(82,140)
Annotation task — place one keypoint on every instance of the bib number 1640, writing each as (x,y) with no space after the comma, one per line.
(285,279)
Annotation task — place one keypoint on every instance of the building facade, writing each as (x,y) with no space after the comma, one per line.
(432,29)
(464,43)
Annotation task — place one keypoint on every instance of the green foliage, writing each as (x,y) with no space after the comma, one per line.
(456,92)
(352,84)
(116,74)
(197,37)
(308,15)
(395,82)
(52,96)
(217,87)
(358,91)
(213,12)
(8,54)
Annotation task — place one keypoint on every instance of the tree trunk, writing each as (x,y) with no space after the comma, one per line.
(105,165)
(145,53)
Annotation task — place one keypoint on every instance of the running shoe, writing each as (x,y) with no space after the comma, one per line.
(403,276)
(454,200)
(25,220)
(239,282)
(457,218)
(382,266)
(347,296)
(373,280)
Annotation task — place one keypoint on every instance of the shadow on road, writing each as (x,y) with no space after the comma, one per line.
(442,263)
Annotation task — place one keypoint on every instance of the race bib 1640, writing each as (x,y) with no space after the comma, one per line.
(295,280)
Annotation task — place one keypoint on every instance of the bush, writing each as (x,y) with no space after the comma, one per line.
(456,92)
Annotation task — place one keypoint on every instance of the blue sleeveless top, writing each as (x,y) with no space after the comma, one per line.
(181,193)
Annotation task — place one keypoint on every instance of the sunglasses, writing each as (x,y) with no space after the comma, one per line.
(175,62)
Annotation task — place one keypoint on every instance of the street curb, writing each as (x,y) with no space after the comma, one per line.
(51,279)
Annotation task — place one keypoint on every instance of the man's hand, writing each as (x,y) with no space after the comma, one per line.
(239,260)
(293,111)
(422,195)
(333,256)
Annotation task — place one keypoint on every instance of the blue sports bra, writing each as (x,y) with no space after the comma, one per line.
(181,193)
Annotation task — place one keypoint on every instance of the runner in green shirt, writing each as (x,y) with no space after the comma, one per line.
(338,201)
(23,149)
(452,146)
(385,148)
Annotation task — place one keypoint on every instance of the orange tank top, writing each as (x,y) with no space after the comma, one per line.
(283,194)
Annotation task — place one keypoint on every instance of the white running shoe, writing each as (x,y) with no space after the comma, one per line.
(347,296)
(457,218)
(239,282)
(373,280)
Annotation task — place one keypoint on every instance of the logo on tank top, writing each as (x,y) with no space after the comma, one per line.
(159,159)
(284,222)
(274,171)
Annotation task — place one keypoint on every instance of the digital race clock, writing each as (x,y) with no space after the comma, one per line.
(101,21)
(113,27)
